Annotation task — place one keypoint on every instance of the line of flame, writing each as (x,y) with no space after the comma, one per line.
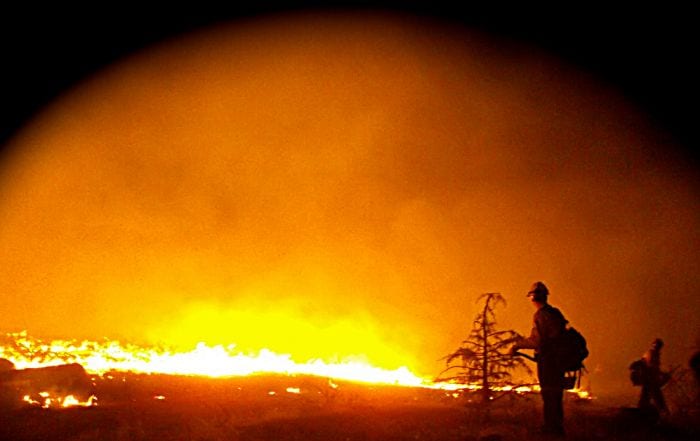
(203,360)
(214,361)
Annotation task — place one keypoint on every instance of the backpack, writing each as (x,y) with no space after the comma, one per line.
(637,372)
(571,350)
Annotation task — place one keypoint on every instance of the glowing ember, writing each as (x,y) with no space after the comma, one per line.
(581,394)
(70,401)
(45,400)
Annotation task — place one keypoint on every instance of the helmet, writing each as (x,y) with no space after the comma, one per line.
(538,291)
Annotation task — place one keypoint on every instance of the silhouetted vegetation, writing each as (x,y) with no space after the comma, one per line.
(484,357)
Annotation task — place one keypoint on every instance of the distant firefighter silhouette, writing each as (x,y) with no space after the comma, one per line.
(646,372)
(694,364)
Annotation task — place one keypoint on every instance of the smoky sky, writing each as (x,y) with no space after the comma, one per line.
(354,172)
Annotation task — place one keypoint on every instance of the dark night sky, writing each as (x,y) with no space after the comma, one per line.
(646,51)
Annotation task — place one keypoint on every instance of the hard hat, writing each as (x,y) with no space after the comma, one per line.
(538,291)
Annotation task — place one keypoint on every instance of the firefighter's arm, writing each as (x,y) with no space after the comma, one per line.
(531,342)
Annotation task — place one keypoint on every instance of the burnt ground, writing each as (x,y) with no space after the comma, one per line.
(142,407)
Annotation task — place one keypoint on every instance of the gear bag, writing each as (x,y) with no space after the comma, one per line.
(571,350)
(637,371)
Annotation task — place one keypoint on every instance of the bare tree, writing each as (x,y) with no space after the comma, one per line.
(484,357)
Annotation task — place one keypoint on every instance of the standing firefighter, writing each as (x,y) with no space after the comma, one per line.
(651,378)
(549,325)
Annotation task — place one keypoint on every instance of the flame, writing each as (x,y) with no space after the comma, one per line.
(101,358)
(204,360)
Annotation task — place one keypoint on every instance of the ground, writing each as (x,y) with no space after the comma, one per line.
(141,407)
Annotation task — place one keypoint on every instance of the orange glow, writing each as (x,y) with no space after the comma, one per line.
(284,328)
(330,193)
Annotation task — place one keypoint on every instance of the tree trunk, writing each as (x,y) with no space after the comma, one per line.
(486,389)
